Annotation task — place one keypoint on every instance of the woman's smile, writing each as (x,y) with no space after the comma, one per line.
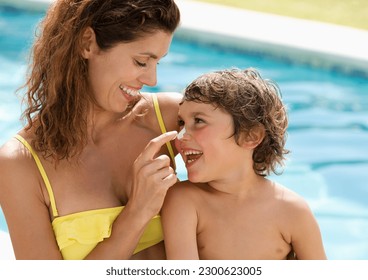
(129,93)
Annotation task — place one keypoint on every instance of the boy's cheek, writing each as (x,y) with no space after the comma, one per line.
(177,144)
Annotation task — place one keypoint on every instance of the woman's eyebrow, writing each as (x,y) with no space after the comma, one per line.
(152,55)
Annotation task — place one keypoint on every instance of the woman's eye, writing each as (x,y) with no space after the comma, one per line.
(140,64)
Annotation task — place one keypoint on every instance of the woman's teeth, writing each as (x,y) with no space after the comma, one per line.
(129,91)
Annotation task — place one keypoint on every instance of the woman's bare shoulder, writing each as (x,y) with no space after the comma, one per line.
(169,99)
(16,163)
(166,100)
(12,152)
(168,104)
(169,107)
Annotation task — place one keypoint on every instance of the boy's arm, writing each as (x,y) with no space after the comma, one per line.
(179,221)
(306,237)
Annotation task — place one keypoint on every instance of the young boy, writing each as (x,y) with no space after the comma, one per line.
(234,135)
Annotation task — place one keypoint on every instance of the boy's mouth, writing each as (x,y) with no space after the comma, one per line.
(192,155)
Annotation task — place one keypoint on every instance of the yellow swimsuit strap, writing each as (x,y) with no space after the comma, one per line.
(42,171)
(162,126)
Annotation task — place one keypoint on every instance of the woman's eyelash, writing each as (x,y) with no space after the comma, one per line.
(140,64)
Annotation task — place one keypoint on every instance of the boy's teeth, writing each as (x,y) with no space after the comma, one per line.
(192,153)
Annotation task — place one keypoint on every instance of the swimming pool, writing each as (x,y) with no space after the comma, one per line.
(328,132)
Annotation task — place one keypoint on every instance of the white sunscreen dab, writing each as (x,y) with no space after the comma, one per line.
(181,134)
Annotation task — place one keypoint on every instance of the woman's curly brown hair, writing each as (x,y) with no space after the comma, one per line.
(252,102)
(57,89)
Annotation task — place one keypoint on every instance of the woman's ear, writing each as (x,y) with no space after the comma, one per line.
(253,138)
(89,44)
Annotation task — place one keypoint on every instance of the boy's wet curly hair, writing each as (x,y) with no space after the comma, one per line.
(252,102)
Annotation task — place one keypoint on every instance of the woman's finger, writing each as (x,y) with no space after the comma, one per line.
(154,146)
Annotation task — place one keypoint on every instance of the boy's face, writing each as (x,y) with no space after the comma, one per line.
(208,148)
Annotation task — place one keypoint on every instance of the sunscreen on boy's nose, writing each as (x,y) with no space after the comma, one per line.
(181,134)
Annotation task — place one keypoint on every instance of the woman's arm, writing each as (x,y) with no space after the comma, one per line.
(27,211)
(179,221)
(23,204)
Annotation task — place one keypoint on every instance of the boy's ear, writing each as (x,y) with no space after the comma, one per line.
(88,43)
(253,138)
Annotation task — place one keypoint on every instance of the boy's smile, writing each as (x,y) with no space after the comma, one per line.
(207,147)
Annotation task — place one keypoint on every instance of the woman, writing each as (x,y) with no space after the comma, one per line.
(87,176)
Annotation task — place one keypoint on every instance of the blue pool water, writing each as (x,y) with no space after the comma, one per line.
(328,132)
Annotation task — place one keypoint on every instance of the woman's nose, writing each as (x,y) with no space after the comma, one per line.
(149,77)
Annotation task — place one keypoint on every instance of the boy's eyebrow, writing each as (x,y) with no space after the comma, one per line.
(195,114)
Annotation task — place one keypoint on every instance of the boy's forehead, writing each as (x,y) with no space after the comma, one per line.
(193,107)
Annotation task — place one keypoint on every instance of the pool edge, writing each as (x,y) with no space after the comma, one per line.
(319,44)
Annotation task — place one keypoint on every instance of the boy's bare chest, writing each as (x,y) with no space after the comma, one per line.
(240,233)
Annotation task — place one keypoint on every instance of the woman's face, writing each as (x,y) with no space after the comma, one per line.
(208,149)
(118,74)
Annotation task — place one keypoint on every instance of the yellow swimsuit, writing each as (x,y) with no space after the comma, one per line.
(78,233)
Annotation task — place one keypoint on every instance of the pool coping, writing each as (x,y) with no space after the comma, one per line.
(318,44)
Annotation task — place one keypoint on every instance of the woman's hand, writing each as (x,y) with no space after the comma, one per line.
(153,176)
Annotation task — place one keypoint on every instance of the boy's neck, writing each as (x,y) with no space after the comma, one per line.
(241,186)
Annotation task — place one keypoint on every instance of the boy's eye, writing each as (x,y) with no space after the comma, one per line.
(180,122)
(198,120)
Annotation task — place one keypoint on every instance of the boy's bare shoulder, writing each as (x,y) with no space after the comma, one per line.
(186,187)
(294,217)
(186,190)
(290,203)
(287,195)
